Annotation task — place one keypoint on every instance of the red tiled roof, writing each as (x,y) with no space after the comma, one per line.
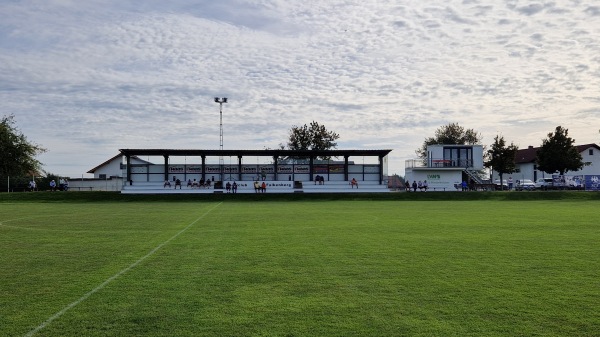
(529,154)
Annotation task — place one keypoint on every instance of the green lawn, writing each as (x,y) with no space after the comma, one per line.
(304,268)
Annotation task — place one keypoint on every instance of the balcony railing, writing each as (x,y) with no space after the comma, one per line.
(439,163)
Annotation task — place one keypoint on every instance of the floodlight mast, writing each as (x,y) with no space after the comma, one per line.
(221,101)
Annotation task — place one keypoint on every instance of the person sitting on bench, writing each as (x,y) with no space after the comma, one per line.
(353,183)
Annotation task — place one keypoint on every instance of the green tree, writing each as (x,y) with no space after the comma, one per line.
(17,154)
(558,154)
(501,158)
(311,137)
(450,134)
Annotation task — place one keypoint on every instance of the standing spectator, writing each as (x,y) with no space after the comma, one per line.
(414,185)
(510,183)
(407,186)
(32,186)
(425,185)
(66,185)
(52,185)
(234,187)
(263,187)
(228,187)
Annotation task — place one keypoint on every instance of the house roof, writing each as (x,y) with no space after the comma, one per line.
(111,159)
(529,154)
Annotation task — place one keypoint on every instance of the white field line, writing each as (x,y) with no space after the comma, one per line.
(112,278)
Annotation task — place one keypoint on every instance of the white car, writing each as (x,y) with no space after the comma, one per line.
(503,187)
(543,183)
(525,185)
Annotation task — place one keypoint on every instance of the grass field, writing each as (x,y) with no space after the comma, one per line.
(301,268)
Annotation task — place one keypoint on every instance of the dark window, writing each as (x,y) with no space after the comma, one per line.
(102,176)
(591,153)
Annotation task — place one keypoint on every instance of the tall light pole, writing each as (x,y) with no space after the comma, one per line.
(221,101)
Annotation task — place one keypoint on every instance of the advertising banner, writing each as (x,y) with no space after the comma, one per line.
(592,182)
(246,169)
(176,169)
(193,169)
(336,168)
(320,169)
(285,169)
(301,169)
(213,169)
(267,169)
(568,181)
(231,169)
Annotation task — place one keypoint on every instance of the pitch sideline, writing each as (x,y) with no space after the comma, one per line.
(115,276)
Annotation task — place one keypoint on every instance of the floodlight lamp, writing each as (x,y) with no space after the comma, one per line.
(217,99)
(224,99)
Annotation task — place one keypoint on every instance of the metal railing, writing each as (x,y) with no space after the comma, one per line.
(439,162)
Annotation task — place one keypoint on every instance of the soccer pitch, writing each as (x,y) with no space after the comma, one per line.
(306,268)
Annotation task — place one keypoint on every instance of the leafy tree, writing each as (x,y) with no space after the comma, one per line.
(558,154)
(450,134)
(501,158)
(312,137)
(17,154)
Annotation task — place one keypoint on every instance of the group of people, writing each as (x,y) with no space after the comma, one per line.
(63,185)
(229,187)
(421,185)
(190,183)
(262,188)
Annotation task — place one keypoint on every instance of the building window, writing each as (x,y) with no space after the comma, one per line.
(102,176)
(591,152)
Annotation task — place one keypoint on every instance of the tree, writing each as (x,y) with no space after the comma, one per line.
(313,137)
(17,154)
(450,134)
(501,158)
(558,154)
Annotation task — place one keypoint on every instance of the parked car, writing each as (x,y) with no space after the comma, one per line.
(499,187)
(544,183)
(525,185)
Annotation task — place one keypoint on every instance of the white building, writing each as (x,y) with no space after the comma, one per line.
(446,166)
(108,176)
(114,167)
(526,166)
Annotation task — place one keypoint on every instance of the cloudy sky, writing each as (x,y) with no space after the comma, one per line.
(86,78)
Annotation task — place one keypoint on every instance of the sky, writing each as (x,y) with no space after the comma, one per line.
(86,78)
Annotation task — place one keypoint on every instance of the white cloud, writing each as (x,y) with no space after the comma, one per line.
(92,77)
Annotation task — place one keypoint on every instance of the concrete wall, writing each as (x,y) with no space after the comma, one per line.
(86,184)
